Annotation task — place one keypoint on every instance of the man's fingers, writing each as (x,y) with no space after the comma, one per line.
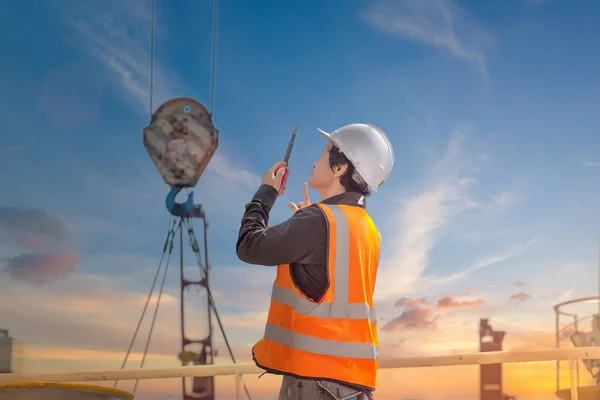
(305,197)
(279,173)
(276,166)
(293,206)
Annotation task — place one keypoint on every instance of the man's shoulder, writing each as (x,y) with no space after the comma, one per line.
(311,212)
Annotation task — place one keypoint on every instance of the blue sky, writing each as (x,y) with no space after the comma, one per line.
(491,108)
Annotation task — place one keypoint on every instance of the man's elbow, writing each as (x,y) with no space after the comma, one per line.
(245,255)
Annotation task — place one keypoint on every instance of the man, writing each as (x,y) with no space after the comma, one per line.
(321,332)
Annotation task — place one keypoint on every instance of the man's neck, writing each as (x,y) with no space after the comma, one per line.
(326,193)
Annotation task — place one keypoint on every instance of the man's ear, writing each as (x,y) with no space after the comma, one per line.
(340,170)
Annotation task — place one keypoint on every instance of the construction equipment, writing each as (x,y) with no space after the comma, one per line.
(181,139)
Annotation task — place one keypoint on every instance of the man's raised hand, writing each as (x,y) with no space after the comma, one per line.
(302,204)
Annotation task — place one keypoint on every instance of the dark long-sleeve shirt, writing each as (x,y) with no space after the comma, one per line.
(300,241)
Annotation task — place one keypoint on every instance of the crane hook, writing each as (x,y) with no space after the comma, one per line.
(183,210)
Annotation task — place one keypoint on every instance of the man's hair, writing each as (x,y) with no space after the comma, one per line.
(336,159)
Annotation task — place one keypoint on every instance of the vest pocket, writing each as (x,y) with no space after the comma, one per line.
(334,391)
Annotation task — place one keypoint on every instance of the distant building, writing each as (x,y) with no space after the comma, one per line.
(6,349)
(490,375)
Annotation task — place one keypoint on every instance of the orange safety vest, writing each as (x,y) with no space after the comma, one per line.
(336,338)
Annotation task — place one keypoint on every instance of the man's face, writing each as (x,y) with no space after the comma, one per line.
(322,176)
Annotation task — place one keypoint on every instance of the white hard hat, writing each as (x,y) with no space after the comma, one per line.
(368,149)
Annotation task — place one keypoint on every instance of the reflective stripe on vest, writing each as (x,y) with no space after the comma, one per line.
(312,344)
(339,308)
(306,307)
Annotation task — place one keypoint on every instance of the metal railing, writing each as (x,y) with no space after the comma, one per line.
(575,325)
(239,370)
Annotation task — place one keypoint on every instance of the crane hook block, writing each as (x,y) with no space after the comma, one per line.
(183,210)
(181,139)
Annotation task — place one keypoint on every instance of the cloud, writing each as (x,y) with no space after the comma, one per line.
(439,23)
(563,295)
(118,35)
(519,297)
(82,313)
(421,219)
(520,284)
(531,340)
(41,268)
(450,302)
(93,312)
(593,164)
(409,302)
(416,315)
(255,296)
(482,263)
(221,166)
(503,199)
(43,234)
(30,228)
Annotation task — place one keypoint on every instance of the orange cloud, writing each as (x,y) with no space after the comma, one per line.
(519,297)
(418,314)
(410,302)
(449,302)
(415,316)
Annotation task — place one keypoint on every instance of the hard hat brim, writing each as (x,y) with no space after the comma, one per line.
(325,134)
